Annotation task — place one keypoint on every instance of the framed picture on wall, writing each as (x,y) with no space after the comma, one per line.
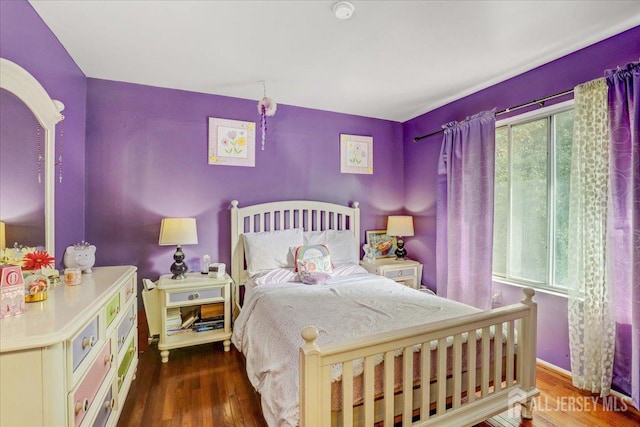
(356,154)
(381,244)
(232,142)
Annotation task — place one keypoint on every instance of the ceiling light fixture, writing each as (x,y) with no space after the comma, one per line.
(343,9)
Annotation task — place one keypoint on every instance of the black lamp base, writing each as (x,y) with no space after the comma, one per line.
(179,268)
(401,252)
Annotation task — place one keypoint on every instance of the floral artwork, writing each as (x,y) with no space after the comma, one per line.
(231,142)
(356,154)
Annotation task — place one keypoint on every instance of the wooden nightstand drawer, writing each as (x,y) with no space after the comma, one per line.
(408,272)
(203,295)
(400,273)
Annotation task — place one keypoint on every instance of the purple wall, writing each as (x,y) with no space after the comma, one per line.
(421,162)
(27,41)
(147,159)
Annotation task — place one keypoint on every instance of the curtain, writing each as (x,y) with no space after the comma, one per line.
(464,236)
(624,243)
(591,298)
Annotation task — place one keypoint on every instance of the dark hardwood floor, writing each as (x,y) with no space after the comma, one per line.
(204,386)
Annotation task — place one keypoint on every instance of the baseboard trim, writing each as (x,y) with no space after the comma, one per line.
(567,374)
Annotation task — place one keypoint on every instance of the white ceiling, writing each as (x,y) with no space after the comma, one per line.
(392,60)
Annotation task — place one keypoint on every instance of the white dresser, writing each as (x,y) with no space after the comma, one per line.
(70,360)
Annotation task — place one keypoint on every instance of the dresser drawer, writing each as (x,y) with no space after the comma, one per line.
(83,343)
(129,289)
(400,273)
(126,325)
(126,362)
(81,399)
(112,309)
(106,406)
(194,296)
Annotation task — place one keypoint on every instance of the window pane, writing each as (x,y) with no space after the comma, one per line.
(563,135)
(501,203)
(528,249)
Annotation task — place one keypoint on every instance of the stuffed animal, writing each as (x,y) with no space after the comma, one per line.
(81,255)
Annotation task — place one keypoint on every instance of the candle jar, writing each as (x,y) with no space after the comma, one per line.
(72,276)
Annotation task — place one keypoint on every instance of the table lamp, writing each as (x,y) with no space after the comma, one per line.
(178,231)
(3,239)
(400,226)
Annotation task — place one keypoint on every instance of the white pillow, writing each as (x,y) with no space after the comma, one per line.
(267,250)
(341,243)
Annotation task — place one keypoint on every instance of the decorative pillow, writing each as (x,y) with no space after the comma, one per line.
(319,264)
(311,278)
(310,251)
(341,244)
(267,250)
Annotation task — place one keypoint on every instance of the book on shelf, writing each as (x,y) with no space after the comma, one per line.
(212,310)
(210,327)
(178,331)
(189,317)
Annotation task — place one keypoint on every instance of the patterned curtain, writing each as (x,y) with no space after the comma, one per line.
(623,254)
(464,238)
(591,294)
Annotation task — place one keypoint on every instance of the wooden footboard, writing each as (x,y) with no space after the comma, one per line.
(444,400)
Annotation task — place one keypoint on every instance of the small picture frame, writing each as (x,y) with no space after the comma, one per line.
(382,245)
(232,142)
(356,154)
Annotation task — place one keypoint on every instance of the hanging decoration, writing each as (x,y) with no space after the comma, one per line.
(266,108)
(60,149)
(40,156)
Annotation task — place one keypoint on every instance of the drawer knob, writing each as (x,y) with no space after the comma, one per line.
(114,310)
(88,342)
(82,406)
(108,359)
(120,380)
(109,404)
(194,296)
(132,318)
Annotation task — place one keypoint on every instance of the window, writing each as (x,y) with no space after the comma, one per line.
(531,202)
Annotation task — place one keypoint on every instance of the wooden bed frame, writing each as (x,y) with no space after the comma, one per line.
(495,387)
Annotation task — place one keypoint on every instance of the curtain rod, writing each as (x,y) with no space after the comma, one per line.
(540,101)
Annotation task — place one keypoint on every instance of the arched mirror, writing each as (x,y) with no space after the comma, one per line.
(27,159)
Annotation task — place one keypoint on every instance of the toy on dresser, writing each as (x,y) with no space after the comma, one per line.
(11,291)
(81,255)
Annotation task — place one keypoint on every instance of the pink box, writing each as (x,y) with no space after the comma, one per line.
(11,275)
(11,291)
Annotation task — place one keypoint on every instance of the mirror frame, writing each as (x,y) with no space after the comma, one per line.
(47,111)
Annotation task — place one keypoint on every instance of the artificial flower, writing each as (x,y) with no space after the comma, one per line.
(36,260)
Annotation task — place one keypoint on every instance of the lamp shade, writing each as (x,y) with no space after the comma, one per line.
(400,225)
(3,239)
(178,231)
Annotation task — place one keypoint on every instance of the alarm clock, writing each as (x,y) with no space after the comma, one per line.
(217,269)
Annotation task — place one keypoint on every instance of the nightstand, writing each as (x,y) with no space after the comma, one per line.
(183,294)
(407,272)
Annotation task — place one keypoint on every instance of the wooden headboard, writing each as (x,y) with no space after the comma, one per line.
(306,214)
